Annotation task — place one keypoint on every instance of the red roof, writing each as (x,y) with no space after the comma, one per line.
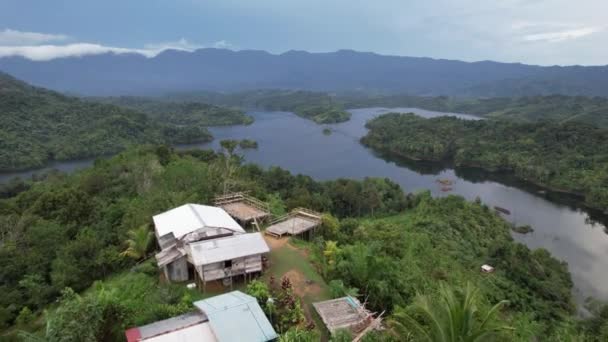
(133,335)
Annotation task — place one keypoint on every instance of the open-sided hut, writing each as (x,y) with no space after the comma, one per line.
(297,222)
(344,313)
(243,208)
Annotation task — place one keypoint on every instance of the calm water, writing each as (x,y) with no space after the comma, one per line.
(299,145)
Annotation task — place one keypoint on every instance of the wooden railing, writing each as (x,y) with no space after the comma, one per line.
(298,211)
(241,197)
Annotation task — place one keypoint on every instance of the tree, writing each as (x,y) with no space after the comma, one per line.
(338,289)
(229,147)
(330,254)
(25,316)
(331,226)
(139,242)
(454,316)
(299,335)
(259,290)
(289,309)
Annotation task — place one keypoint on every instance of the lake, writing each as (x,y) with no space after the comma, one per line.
(570,232)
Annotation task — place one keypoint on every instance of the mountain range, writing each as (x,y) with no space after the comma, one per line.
(341,71)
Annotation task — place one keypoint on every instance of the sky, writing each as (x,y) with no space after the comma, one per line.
(544,32)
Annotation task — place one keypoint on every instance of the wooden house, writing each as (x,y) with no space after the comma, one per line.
(227,257)
(205,243)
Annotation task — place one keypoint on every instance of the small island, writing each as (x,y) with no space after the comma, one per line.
(327,131)
(248,144)
(525,229)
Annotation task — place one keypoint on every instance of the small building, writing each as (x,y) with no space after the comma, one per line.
(344,313)
(193,326)
(191,235)
(487,268)
(233,316)
(194,222)
(227,257)
(298,222)
(244,208)
(236,316)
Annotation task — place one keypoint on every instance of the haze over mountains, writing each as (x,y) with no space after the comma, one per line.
(344,70)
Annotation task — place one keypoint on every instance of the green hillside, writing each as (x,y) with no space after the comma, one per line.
(569,156)
(180,113)
(39,126)
(556,108)
(67,235)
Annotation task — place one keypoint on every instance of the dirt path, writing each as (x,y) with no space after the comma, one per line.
(275,243)
(302,288)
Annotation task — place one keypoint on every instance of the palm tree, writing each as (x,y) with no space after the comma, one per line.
(452,317)
(139,242)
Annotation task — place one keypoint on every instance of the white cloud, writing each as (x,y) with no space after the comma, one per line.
(20,38)
(31,45)
(48,52)
(559,36)
(181,44)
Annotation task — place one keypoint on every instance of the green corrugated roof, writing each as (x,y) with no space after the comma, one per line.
(236,316)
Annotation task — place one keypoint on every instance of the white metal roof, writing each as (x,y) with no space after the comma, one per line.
(211,251)
(191,217)
(199,332)
(192,326)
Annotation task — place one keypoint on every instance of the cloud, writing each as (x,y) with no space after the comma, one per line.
(19,38)
(48,52)
(560,36)
(31,45)
(181,44)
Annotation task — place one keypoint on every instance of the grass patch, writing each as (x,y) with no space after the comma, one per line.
(294,262)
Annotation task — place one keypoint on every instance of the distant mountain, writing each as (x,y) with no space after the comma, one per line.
(40,125)
(345,70)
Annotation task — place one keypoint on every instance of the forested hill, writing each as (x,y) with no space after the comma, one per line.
(40,125)
(320,107)
(570,156)
(180,112)
(225,70)
(554,108)
(68,234)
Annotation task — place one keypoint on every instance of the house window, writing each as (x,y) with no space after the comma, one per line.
(228,264)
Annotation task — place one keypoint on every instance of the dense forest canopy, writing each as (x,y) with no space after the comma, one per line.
(63,234)
(328,108)
(557,108)
(180,113)
(39,125)
(320,107)
(42,125)
(568,156)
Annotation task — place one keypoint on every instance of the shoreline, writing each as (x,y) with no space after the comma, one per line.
(581,197)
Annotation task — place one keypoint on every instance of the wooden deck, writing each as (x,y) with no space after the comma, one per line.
(242,207)
(296,222)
